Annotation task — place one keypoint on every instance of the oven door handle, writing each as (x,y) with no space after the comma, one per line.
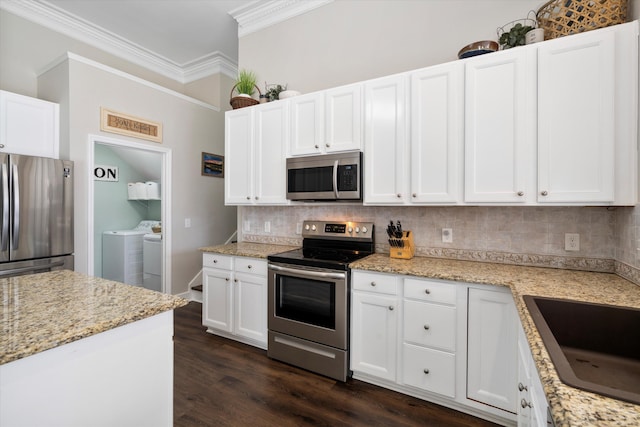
(307,273)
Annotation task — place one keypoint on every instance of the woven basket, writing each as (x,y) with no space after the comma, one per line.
(242,101)
(564,17)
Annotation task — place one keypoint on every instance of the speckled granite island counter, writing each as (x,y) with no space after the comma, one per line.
(569,406)
(81,349)
(248,249)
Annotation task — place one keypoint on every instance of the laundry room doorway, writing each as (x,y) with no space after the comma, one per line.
(129,211)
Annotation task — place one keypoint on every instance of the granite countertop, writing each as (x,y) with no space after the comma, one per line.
(248,249)
(44,311)
(569,406)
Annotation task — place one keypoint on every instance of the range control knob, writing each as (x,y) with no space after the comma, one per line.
(357,229)
(350,230)
(306,227)
(364,229)
(313,227)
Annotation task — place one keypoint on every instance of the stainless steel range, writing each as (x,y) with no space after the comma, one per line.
(309,296)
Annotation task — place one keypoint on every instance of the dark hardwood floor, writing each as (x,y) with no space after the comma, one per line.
(219,382)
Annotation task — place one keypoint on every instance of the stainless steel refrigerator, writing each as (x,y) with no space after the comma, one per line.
(36,211)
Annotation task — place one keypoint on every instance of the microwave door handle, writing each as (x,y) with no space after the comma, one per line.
(4,240)
(335,179)
(16,208)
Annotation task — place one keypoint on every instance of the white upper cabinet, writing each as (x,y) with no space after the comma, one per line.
(29,126)
(343,119)
(327,122)
(437,131)
(307,124)
(500,100)
(255,150)
(576,113)
(385,141)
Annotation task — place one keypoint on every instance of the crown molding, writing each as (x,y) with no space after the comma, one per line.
(46,14)
(262,14)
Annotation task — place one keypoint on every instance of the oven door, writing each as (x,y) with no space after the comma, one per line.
(309,303)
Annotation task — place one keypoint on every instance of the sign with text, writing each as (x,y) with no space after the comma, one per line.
(105,173)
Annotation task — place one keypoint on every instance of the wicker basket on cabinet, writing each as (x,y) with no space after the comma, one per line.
(242,101)
(564,17)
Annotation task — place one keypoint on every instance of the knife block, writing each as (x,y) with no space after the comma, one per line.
(408,249)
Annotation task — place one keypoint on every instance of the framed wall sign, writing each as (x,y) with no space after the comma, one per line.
(124,124)
(212,165)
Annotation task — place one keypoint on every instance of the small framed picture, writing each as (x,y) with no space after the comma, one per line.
(212,165)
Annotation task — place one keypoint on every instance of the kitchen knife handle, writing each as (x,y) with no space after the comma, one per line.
(16,207)
(4,240)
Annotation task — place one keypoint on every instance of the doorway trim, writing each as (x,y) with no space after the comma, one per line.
(165,195)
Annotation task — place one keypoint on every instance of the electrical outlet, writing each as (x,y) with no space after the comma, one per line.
(299,228)
(447,235)
(187,223)
(267,226)
(572,242)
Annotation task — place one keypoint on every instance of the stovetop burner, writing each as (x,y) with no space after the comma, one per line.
(332,245)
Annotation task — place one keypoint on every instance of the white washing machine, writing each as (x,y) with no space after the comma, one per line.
(152,261)
(122,253)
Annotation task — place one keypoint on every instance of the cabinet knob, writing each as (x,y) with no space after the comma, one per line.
(426,371)
(327,145)
(544,193)
(427,291)
(249,266)
(226,279)
(235,280)
(215,261)
(522,387)
(398,195)
(256,197)
(391,307)
(373,283)
(248,197)
(426,327)
(1,145)
(525,404)
(414,195)
(520,193)
(317,146)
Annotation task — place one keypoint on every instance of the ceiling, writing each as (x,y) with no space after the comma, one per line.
(184,40)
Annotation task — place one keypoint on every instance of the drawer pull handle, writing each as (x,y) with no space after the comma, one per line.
(426,327)
(391,307)
(427,291)
(426,371)
(525,404)
(522,387)
(373,283)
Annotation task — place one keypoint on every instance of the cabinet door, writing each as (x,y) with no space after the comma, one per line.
(307,124)
(500,102)
(250,299)
(386,169)
(271,139)
(492,349)
(576,134)
(437,129)
(217,299)
(343,118)
(238,165)
(374,335)
(29,126)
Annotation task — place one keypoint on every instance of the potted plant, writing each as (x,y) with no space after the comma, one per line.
(246,87)
(515,36)
(273,91)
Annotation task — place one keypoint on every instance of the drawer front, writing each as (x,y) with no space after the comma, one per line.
(251,266)
(372,282)
(430,370)
(217,261)
(430,291)
(431,325)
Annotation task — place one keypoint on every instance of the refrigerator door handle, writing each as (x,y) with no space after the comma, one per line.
(4,240)
(16,207)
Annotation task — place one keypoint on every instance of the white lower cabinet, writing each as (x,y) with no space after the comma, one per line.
(532,403)
(492,349)
(374,325)
(451,343)
(235,298)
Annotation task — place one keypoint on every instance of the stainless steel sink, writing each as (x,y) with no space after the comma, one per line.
(594,347)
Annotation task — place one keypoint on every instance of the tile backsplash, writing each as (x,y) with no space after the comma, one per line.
(520,235)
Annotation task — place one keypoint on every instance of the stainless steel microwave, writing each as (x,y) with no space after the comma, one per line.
(325,177)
